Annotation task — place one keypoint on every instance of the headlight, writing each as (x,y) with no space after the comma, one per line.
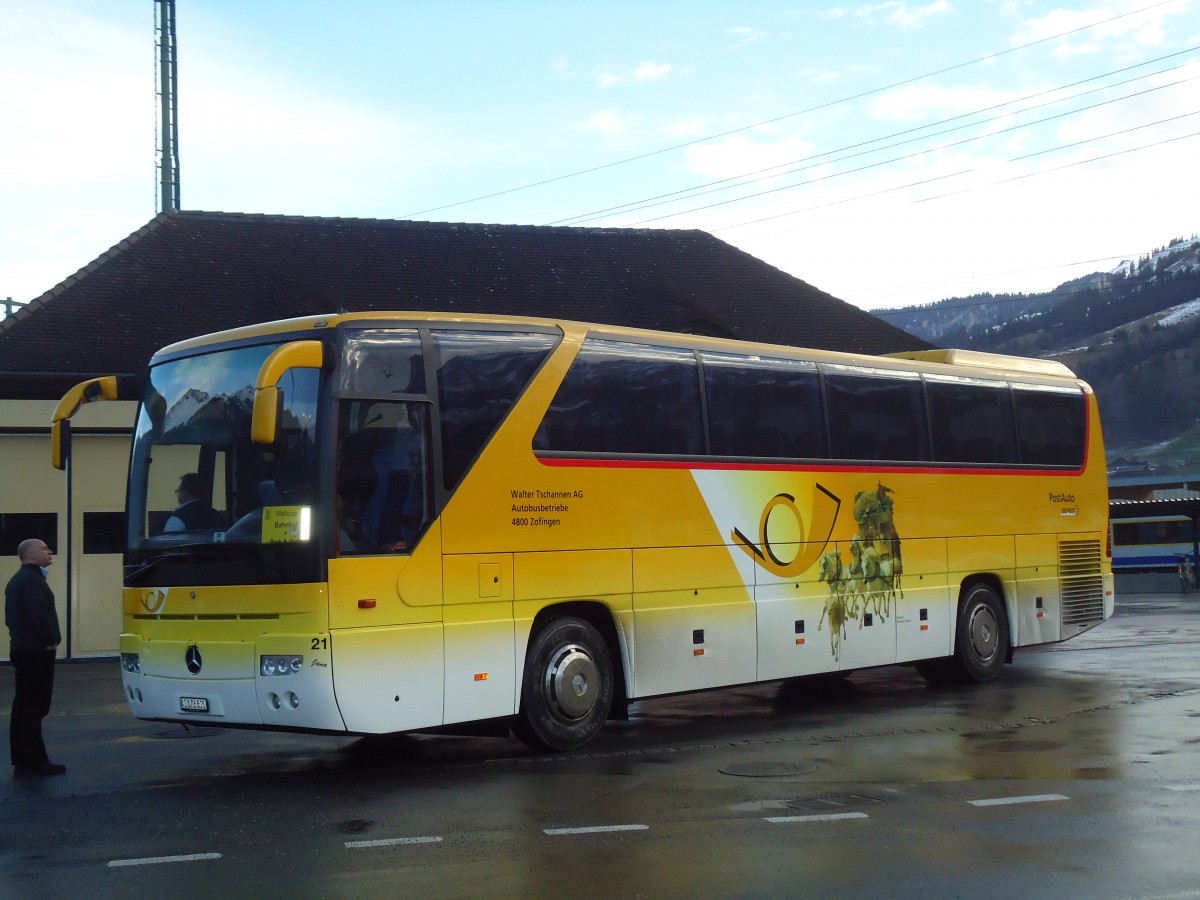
(131,662)
(280,665)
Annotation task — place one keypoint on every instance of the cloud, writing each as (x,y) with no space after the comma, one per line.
(604,122)
(739,155)
(642,72)
(913,103)
(745,35)
(822,76)
(1142,28)
(693,127)
(650,71)
(895,12)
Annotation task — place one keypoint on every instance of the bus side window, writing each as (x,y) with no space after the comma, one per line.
(876,417)
(383,477)
(972,422)
(626,398)
(763,407)
(480,375)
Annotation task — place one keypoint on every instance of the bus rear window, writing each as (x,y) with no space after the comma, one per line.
(1051,426)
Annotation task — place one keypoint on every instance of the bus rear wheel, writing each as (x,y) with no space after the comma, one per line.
(981,640)
(566,686)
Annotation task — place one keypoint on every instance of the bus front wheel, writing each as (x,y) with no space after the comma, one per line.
(566,686)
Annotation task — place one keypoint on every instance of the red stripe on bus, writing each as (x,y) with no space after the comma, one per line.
(592,463)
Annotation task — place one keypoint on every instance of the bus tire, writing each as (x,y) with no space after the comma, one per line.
(981,641)
(566,686)
(981,646)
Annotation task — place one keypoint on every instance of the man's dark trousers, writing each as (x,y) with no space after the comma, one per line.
(31,703)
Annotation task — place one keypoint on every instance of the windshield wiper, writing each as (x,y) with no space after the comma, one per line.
(207,552)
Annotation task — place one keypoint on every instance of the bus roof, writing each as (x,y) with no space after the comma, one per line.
(920,360)
(995,361)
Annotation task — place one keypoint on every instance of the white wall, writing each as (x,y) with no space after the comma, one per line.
(29,484)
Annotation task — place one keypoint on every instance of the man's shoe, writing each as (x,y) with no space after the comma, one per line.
(40,770)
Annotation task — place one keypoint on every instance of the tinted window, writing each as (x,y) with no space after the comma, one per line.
(480,375)
(876,417)
(972,422)
(104,532)
(1128,534)
(626,398)
(383,479)
(16,527)
(763,407)
(1051,426)
(382,362)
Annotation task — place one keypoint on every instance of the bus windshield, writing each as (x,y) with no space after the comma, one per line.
(202,490)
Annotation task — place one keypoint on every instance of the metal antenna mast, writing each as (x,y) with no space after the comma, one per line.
(166,139)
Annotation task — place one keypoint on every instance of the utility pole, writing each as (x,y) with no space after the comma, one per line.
(167,134)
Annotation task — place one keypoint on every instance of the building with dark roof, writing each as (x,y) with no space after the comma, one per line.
(191,273)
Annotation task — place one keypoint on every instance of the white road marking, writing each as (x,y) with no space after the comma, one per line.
(156,860)
(595,829)
(819,817)
(393,842)
(1183,787)
(1009,801)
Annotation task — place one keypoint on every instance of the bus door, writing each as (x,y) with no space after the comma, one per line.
(385,589)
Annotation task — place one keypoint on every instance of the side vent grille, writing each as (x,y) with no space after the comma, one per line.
(1081,584)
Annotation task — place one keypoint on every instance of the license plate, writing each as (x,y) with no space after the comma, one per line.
(193,704)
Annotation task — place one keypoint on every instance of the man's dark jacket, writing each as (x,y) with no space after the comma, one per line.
(29,611)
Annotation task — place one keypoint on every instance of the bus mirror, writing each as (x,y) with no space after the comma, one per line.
(110,387)
(60,443)
(296,355)
(264,420)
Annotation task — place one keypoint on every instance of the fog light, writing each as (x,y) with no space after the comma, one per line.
(280,665)
(131,662)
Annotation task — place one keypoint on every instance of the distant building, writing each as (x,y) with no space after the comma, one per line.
(190,273)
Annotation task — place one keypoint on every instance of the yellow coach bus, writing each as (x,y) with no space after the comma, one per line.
(391,522)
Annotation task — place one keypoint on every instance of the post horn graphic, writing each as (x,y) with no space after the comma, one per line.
(812,542)
(153,600)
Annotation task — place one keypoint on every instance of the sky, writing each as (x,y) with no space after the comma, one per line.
(889,153)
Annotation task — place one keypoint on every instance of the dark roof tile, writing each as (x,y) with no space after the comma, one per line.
(191,273)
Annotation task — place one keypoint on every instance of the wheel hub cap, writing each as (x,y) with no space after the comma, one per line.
(983,634)
(570,677)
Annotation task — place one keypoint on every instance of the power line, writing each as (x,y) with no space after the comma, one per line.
(901,158)
(942,178)
(713,186)
(859,96)
(1072,165)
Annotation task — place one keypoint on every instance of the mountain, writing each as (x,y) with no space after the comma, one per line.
(1132,333)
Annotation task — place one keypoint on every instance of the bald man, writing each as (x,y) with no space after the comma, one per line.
(33,630)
